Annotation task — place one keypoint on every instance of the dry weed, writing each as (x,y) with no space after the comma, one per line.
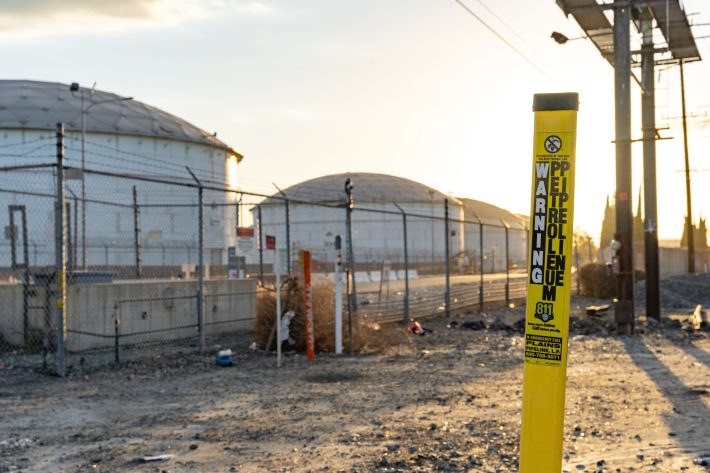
(367,336)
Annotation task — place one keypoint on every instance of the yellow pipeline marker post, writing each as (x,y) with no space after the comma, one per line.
(547,313)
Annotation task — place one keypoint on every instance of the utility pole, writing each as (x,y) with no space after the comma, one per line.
(648,126)
(689,207)
(624,307)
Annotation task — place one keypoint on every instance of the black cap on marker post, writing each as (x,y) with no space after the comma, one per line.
(552,102)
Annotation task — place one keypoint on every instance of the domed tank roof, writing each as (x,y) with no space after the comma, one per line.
(491,214)
(35,105)
(367,188)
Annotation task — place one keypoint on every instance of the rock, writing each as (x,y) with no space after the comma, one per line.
(194,445)
(474,325)
(498,324)
(671,323)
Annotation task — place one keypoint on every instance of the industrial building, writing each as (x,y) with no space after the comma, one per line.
(111,133)
(317,214)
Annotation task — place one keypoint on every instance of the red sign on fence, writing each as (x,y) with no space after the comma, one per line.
(270,242)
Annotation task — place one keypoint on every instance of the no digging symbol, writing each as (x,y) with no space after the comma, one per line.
(553,144)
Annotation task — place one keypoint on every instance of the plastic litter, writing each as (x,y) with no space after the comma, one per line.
(224,358)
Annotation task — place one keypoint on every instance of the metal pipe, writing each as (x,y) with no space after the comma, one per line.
(447,258)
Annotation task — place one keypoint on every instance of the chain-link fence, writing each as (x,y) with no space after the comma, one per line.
(138,262)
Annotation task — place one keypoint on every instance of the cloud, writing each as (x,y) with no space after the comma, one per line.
(32,10)
(33,18)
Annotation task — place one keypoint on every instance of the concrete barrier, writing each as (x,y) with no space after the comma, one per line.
(148,310)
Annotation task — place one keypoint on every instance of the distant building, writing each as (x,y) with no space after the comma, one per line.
(609,227)
(700,235)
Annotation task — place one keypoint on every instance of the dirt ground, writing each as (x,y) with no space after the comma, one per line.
(446,401)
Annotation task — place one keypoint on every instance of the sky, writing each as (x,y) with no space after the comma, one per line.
(414,88)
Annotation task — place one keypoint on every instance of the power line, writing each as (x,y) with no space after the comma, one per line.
(507,43)
(512,30)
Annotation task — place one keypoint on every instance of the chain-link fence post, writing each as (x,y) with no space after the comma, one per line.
(406,264)
(507,264)
(70,247)
(116,332)
(447,258)
(60,260)
(288,231)
(351,256)
(288,238)
(137,233)
(576,261)
(200,260)
(261,247)
(480,263)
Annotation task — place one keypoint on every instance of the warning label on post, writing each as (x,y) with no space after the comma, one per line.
(543,348)
(551,235)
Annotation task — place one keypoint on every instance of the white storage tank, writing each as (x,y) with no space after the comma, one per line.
(317,215)
(122,136)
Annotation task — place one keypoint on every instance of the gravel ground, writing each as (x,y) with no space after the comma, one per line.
(446,401)
(683,291)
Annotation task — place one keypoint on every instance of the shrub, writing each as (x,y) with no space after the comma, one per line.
(596,281)
(366,336)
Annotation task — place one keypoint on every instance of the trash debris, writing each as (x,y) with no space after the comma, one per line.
(224,358)
(696,320)
(597,309)
(156,458)
(417,328)
(285,327)
(253,346)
